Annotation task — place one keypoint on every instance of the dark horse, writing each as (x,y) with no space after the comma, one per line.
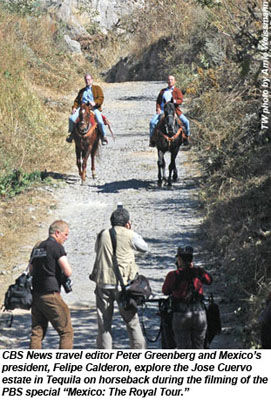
(86,136)
(169,136)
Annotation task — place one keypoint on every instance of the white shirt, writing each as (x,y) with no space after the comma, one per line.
(167,96)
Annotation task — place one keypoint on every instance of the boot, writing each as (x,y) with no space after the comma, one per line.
(186,141)
(69,138)
(104,141)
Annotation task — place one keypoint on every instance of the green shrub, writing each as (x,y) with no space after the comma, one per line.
(17,181)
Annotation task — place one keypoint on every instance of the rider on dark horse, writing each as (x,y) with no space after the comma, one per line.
(169,94)
(92,95)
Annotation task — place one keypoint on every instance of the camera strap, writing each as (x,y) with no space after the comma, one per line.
(116,269)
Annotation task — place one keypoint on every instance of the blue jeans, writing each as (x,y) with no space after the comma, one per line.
(98,116)
(155,119)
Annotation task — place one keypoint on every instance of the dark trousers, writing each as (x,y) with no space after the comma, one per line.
(189,324)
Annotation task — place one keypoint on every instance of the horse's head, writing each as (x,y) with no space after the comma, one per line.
(169,110)
(84,118)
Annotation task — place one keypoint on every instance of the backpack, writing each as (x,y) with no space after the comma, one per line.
(19,295)
(192,295)
(166,308)
(137,291)
(213,321)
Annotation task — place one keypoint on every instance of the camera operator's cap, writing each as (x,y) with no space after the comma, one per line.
(181,251)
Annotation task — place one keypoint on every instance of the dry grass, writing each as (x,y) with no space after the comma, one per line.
(156,20)
(38,82)
(32,86)
(23,220)
(236,160)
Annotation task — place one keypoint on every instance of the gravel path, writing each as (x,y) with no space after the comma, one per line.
(126,172)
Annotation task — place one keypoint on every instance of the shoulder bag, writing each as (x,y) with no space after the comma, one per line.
(137,291)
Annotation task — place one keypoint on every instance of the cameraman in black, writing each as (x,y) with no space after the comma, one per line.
(50,269)
(189,322)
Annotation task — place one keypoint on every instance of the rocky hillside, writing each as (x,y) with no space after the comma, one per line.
(83,18)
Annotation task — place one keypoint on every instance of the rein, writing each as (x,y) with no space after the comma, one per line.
(174,137)
(171,139)
(149,339)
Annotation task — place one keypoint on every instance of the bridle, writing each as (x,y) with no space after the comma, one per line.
(169,127)
(81,121)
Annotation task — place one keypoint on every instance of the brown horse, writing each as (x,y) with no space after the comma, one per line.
(169,135)
(86,136)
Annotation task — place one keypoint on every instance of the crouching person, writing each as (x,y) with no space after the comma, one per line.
(49,267)
(189,322)
(107,285)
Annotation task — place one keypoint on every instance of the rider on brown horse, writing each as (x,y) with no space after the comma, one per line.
(86,137)
(92,95)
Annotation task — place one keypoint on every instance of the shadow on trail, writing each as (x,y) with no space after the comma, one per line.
(180,184)
(58,176)
(84,324)
(17,336)
(137,98)
(115,187)
(162,246)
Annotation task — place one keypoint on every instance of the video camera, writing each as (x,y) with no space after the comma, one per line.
(66,283)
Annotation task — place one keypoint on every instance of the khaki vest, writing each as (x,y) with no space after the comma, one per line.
(103,267)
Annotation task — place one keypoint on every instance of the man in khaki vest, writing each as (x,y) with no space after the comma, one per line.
(107,287)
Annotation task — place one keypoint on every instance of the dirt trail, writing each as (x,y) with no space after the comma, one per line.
(166,218)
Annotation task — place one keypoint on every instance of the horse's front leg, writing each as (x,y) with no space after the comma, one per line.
(93,154)
(93,166)
(85,156)
(172,168)
(161,167)
(84,170)
(78,161)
